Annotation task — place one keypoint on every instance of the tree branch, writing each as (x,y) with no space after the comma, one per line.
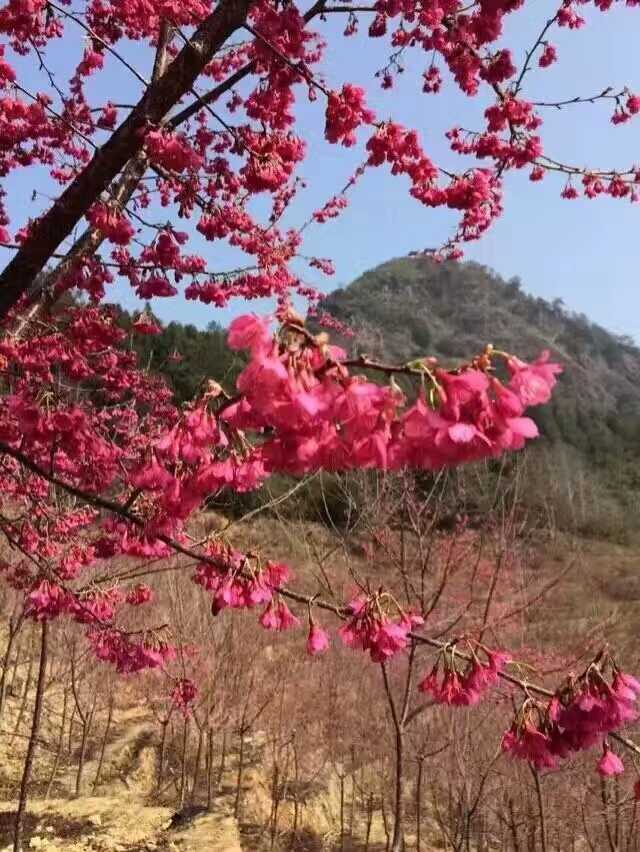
(58,222)
(308,600)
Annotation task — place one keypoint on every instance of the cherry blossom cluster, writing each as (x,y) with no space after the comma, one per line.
(317,415)
(579,716)
(128,655)
(235,581)
(464,681)
(184,694)
(346,111)
(78,410)
(377,625)
(374,623)
(238,581)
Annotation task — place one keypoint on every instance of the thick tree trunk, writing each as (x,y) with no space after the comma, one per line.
(385,822)
(513,828)
(541,810)
(397,842)
(209,769)
(419,806)
(183,776)
(341,776)
(398,718)
(86,719)
(86,732)
(162,755)
(294,827)
(223,758)
(81,756)
(275,801)
(23,703)
(74,710)
(369,822)
(16,663)
(352,803)
(33,740)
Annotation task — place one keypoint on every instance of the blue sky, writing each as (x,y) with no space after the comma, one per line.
(585,252)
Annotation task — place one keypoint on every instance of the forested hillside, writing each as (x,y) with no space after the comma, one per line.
(589,476)
(187,355)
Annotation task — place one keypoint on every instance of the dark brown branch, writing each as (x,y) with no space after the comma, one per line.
(211,96)
(335,9)
(95,37)
(527,62)
(121,192)
(58,222)
(89,242)
(239,75)
(397,843)
(605,94)
(92,238)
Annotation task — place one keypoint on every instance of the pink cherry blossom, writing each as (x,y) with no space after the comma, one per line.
(318,640)
(249,332)
(610,764)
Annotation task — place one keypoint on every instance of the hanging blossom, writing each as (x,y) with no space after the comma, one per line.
(237,581)
(464,682)
(323,417)
(318,640)
(580,716)
(129,655)
(378,625)
(114,224)
(346,111)
(184,695)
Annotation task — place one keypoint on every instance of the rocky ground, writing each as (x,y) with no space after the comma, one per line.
(120,815)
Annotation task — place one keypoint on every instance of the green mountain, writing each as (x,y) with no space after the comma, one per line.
(590,451)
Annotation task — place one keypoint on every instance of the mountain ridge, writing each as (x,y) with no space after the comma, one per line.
(411,307)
